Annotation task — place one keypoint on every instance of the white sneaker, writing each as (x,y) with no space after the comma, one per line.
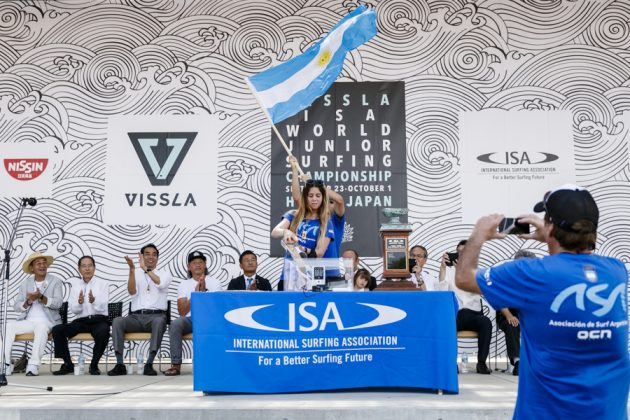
(32,370)
(8,369)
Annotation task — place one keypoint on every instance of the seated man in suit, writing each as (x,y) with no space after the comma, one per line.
(198,281)
(249,280)
(88,300)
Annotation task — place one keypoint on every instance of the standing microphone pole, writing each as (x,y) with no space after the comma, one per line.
(4,295)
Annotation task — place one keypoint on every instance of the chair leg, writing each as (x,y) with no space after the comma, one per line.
(496,339)
(51,361)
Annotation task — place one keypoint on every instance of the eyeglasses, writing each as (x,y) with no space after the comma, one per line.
(314,183)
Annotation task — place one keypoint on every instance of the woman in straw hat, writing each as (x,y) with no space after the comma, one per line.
(37,304)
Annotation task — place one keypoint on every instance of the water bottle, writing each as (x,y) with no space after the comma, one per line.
(464,362)
(81,364)
(140,364)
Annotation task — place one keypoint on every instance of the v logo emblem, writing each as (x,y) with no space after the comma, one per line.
(161,154)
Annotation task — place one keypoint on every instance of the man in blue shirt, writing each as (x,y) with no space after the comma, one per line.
(572,306)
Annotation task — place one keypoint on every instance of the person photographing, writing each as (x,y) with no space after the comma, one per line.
(572,308)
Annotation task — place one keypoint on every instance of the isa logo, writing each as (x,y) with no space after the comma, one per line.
(309,316)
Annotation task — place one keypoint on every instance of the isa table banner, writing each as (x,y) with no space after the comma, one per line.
(294,341)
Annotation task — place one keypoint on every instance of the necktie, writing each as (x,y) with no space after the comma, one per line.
(249,282)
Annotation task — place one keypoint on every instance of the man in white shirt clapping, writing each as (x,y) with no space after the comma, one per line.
(149,301)
(198,281)
(89,297)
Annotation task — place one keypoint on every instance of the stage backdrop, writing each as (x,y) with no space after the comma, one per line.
(66,68)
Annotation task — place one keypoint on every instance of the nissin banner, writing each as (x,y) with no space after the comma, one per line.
(26,169)
(294,341)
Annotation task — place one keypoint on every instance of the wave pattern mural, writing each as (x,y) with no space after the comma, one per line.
(66,67)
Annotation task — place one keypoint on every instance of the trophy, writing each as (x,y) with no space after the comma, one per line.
(395,236)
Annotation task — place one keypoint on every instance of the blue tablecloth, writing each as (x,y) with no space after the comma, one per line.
(272,342)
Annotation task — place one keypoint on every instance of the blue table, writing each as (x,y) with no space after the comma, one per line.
(275,342)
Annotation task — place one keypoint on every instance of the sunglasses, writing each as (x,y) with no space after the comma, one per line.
(314,182)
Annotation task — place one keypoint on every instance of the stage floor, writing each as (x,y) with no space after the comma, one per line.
(155,398)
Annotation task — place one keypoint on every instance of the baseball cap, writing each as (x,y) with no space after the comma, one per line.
(567,204)
(196,254)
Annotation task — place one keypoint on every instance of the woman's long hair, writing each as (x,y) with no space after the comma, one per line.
(362,272)
(323,213)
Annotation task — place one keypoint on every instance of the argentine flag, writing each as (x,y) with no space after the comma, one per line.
(293,85)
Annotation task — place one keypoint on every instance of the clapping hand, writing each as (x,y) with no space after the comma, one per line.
(32,296)
(201,286)
(90,297)
(142,264)
(130,263)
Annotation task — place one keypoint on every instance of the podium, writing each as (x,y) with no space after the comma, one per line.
(395,246)
(317,274)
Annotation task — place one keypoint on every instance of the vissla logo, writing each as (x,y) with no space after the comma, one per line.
(161,154)
(517,158)
(25,169)
(304,319)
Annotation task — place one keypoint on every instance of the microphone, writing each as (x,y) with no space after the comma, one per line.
(31,201)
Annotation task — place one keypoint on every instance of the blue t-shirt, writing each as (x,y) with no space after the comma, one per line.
(334,249)
(574,329)
(307,233)
(339,223)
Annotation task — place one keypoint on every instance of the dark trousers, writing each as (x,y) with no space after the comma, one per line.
(512,335)
(98,327)
(476,321)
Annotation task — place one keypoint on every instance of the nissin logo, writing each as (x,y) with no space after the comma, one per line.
(304,318)
(583,292)
(517,158)
(25,169)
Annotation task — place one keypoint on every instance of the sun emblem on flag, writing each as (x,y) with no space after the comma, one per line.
(324,58)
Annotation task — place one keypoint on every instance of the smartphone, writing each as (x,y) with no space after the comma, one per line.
(412,264)
(512,226)
(452,258)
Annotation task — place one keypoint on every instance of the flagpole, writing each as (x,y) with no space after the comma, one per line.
(273,126)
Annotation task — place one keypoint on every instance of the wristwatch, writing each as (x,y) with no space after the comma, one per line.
(148,270)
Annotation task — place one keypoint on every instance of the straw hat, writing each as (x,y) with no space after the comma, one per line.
(35,255)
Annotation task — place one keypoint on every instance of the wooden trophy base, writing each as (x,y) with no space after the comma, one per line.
(397,284)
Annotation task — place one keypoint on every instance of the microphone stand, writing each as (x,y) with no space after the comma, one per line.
(4,294)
